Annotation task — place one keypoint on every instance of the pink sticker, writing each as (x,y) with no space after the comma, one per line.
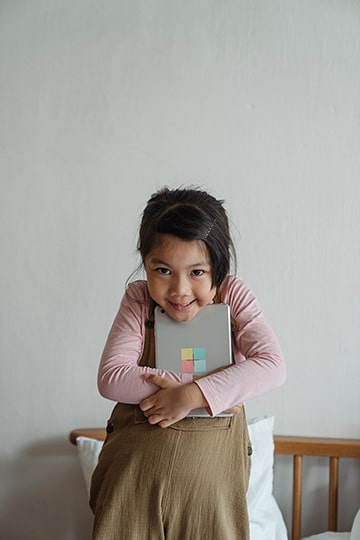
(187,366)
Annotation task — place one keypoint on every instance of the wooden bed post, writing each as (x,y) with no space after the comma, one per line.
(333,492)
(297,496)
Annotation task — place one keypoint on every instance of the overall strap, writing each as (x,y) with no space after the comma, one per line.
(234,323)
(148,355)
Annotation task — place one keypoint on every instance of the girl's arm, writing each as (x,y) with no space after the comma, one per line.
(120,378)
(259,364)
(259,367)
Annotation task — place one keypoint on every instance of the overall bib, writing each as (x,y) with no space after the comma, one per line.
(184,482)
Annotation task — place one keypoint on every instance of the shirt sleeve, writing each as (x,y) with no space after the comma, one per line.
(259,364)
(120,378)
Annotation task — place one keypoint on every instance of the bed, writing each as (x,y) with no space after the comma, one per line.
(266,520)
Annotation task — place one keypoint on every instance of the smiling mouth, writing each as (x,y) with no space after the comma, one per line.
(182,307)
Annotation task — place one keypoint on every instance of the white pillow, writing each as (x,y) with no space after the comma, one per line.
(88,451)
(266,521)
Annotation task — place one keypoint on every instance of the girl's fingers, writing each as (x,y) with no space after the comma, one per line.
(161,382)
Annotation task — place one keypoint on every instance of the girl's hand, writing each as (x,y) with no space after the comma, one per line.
(172,402)
(235,409)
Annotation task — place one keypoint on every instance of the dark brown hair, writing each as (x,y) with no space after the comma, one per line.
(189,214)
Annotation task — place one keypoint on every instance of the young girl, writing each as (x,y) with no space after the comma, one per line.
(161,474)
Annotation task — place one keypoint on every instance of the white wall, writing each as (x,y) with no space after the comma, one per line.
(100,104)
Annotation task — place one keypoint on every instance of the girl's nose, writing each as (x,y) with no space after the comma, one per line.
(179,286)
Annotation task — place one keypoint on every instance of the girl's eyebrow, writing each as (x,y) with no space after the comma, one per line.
(160,261)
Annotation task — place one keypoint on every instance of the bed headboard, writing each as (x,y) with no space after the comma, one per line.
(333,448)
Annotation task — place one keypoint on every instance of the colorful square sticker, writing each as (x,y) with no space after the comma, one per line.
(199,353)
(187,366)
(186,354)
(199,366)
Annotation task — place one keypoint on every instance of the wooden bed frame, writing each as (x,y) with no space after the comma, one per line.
(334,449)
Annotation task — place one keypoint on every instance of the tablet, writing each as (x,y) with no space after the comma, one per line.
(195,347)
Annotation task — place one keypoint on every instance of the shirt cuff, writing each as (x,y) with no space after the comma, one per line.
(186,378)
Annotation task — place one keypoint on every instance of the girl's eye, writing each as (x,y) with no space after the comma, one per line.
(198,272)
(163,271)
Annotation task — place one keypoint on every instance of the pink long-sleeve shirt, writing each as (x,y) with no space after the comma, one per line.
(258,361)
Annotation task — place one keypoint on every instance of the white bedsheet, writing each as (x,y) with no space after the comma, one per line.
(329,536)
(353,535)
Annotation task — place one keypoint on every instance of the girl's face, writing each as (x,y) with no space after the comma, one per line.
(179,276)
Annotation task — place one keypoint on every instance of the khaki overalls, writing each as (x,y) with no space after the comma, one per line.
(184,482)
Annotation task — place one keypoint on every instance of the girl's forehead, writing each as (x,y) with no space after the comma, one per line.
(167,247)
